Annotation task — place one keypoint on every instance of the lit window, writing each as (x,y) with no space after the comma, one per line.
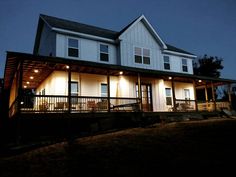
(187,94)
(168,96)
(184,65)
(103,90)
(104,52)
(167,62)
(73,47)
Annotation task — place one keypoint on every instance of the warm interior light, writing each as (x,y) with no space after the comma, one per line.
(25,86)
(27,82)
(31,77)
(169,78)
(121,72)
(67,67)
(36,70)
(199,80)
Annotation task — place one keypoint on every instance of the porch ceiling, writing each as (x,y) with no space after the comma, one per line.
(46,65)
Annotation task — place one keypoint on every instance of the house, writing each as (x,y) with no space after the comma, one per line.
(78,68)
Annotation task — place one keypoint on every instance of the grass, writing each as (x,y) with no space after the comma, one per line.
(199,146)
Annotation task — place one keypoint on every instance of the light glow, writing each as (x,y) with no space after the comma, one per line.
(25,86)
(169,78)
(36,70)
(121,72)
(199,80)
(28,82)
(31,77)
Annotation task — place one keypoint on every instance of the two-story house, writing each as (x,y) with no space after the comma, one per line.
(81,68)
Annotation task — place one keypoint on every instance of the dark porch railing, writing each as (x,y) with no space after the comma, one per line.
(59,103)
(185,105)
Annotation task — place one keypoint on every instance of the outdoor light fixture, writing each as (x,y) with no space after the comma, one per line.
(169,78)
(31,77)
(21,102)
(36,70)
(67,67)
(199,80)
(121,72)
(25,86)
(28,82)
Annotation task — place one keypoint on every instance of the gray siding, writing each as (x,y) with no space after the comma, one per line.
(47,44)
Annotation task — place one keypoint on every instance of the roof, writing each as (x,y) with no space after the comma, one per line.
(47,64)
(54,22)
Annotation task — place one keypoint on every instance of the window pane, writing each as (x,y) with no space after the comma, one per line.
(73,43)
(185,68)
(138,59)
(184,62)
(168,92)
(146,52)
(138,51)
(104,57)
(186,94)
(167,66)
(103,48)
(104,90)
(146,60)
(74,87)
(166,59)
(168,101)
(73,52)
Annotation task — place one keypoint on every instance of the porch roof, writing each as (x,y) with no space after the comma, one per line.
(47,64)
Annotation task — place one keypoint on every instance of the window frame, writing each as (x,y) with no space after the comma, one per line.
(184,66)
(143,58)
(101,52)
(168,97)
(103,94)
(164,63)
(69,47)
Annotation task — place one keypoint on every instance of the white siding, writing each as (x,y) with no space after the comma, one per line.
(139,36)
(89,50)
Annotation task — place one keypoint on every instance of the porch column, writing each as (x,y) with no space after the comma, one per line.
(195,94)
(206,96)
(19,82)
(213,95)
(139,92)
(230,99)
(69,88)
(173,93)
(108,91)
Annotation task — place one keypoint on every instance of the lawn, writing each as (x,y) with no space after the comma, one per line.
(192,147)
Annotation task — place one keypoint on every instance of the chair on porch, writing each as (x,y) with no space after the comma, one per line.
(102,105)
(59,105)
(91,105)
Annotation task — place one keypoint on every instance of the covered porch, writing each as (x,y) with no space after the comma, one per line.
(41,84)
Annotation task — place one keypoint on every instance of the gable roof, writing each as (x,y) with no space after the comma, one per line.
(58,23)
(148,26)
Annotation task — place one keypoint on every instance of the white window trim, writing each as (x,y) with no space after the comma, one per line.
(67,47)
(99,51)
(143,64)
(169,96)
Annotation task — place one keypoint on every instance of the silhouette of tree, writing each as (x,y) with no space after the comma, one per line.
(208,66)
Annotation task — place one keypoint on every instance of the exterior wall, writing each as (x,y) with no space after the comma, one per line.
(13,91)
(89,50)
(139,36)
(47,44)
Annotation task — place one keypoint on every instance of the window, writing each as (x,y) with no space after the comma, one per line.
(187,94)
(146,56)
(73,47)
(184,65)
(141,55)
(138,55)
(43,92)
(103,90)
(167,62)
(168,96)
(74,92)
(104,52)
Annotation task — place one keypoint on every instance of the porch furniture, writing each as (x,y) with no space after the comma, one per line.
(102,105)
(91,105)
(59,105)
(134,107)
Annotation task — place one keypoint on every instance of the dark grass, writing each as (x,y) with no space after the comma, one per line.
(194,147)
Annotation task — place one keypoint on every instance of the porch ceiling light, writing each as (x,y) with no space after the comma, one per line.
(25,86)
(28,82)
(31,77)
(121,72)
(199,80)
(36,70)
(67,66)
(169,78)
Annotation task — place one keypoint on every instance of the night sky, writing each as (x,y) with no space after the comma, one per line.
(198,26)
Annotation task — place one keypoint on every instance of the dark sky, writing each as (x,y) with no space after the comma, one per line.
(198,26)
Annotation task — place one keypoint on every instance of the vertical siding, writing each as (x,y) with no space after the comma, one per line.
(47,44)
(139,36)
(89,50)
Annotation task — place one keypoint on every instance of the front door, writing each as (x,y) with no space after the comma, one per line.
(146,96)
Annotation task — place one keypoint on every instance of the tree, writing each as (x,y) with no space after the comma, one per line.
(208,66)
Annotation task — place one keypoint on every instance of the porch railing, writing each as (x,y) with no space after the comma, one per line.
(185,105)
(210,106)
(57,103)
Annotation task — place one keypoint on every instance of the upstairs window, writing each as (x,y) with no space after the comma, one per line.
(104,52)
(167,62)
(184,65)
(73,47)
(103,90)
(141,55)
(168,96)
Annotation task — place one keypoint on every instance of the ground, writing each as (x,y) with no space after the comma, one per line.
(191,147)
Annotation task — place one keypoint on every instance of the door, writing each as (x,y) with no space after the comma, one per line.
(146,96)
